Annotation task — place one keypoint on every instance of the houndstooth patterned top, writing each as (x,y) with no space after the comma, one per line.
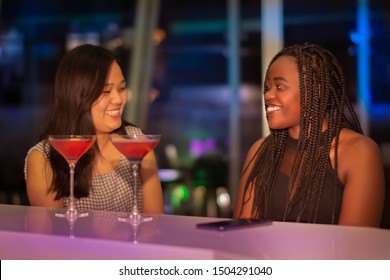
(110,191)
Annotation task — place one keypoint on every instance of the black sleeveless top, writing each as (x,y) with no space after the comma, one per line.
(329,192)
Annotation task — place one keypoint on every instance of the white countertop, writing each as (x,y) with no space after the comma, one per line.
(35,233)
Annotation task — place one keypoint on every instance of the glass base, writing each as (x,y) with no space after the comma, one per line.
(71,214)
(135,219)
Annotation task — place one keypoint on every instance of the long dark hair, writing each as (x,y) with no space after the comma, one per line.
(322,96)
(80,79)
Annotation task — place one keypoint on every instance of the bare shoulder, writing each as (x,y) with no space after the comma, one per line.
(243,209)
(256,145)
(357,153)
(38,171)
(36,160)
(38,181)
(355,144)
(361,171)
(251,153)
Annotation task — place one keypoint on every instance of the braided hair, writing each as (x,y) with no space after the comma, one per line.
(322,97)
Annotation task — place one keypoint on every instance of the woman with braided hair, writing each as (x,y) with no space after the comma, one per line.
(315,166)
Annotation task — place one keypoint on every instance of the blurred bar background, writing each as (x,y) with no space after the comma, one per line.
(195,71)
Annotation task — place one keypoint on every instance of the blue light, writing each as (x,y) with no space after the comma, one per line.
(362,39)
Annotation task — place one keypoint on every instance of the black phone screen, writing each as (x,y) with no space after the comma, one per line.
(232,224)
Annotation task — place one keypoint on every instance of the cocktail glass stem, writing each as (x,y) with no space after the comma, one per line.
(135,212)
(72,207)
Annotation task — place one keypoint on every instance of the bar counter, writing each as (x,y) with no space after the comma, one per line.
(28,232)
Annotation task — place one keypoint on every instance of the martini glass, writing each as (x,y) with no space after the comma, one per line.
(72,147)
(135,148)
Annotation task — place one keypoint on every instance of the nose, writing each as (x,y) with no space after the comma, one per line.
(268,95)
(116,97)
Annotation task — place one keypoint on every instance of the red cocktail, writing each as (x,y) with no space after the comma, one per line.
(72,148)
(135,148)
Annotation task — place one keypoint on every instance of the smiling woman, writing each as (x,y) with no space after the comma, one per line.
(316,166)
(89,99)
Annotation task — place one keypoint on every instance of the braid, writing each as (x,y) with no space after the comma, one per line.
(322,96)
(263,175)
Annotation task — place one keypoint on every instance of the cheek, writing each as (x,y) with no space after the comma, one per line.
(292,108)
(297,103)
(100,106)
(97,111)
(124,98)
(94,114)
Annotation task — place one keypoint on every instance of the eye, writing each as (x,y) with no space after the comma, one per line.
(266,88)
(106,90)
(279,87)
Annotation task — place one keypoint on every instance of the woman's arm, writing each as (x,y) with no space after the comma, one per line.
(152,200)
(38,179)
(244,210)
(361,166)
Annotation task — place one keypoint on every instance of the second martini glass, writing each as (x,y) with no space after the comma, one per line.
(72,147)
(134,148)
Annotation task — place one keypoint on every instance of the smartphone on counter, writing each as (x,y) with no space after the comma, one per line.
(233,224)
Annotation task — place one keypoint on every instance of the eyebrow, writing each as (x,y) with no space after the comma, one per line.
(111,84)
(280,79)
